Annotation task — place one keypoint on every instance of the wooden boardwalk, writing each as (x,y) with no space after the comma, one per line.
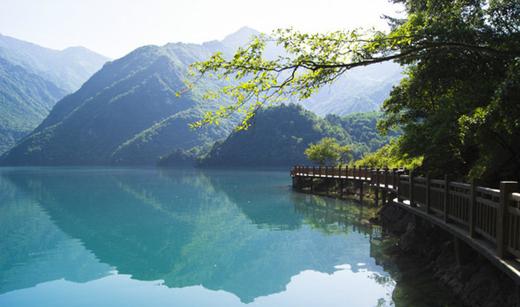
(488,220)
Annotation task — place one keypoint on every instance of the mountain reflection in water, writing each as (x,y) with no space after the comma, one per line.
(121,236)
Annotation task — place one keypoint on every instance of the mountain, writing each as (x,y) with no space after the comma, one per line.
(25,100)
(279,136)
(128,113)
(125,114)
(68,69)
(33,79)
(360,90)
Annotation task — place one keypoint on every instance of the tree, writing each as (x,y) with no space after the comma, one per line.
(462,59)
(387,156)
(328,152)
(451,105)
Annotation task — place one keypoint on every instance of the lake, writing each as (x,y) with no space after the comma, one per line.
(189,237)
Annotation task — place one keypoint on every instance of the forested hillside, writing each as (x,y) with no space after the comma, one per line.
(119,115)
(25,100)
(128,113)
(279,136)
(457,104)
(33,79)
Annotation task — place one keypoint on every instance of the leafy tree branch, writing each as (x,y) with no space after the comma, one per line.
(461,55)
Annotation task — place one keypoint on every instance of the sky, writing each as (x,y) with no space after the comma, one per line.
(116,27)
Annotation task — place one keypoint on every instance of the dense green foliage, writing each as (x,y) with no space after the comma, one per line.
(459,108)
(458,105)
(25,100)
(183,157)
(279,136)
(328,152)
(127,113)
(33,79)
(388,156)
(362,131)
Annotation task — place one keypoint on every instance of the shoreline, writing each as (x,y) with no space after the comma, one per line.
(475,281)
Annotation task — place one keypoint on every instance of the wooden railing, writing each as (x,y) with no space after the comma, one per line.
(483,212)
(361,173)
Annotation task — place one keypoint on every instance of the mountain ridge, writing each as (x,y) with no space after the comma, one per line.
(128,112)
(126,97)
(62,67)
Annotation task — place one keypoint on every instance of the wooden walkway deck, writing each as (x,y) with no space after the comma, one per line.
(488,220)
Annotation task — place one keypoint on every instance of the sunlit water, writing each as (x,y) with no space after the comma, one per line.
(181,237)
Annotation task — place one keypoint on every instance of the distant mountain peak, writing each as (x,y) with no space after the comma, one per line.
(240,37)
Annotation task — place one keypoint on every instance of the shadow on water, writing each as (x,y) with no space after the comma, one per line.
(414,285)
(220,229)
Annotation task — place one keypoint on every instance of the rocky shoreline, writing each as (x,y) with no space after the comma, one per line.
(476,282)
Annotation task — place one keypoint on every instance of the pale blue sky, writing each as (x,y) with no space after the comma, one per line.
(116,27)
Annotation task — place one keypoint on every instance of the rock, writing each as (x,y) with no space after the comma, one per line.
(476,283)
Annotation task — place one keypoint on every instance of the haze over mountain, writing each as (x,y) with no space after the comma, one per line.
(68,69)
(128,114)
(25,100)
(361,90)
(33,79)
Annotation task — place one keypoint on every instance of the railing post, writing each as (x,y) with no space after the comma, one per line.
(354,172)
(319,171)
(428,194)
(377,176)
(447,180)
(472,207)
(506,189)
(412,190)
(314,171)
(394,177)
(399,198)
(386,176)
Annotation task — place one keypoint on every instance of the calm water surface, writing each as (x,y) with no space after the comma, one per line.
(183,237)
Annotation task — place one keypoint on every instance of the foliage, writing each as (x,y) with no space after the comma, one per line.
(462,64)
(126,114)
(33,79)
(182,157)
(361,90)
(25,100)
(328,152)
(389,156)
(448,105)
(362,130)
(280,135)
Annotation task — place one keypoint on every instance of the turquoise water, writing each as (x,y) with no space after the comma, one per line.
(179,237)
